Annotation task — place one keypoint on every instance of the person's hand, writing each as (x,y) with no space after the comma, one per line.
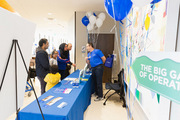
(86,58)
(74,65)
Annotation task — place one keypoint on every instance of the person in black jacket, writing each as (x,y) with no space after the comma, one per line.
(42,62)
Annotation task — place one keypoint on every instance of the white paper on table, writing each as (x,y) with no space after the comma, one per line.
(62,105)
(71,79)
(47,98)
(67,90)
(54,101)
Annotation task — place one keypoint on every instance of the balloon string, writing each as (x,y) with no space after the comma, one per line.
(113,28)
(116,36)
(87,34)
(118,46)
(121,44)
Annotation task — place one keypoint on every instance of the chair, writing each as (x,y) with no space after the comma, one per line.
(118,88)
(32,69)
(32,74)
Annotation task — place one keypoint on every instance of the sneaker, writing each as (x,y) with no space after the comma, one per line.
(99,99)
(94,95)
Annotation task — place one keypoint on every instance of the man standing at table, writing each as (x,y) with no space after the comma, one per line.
(96,59)
(42,62)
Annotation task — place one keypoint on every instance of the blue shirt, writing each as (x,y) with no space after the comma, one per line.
(95,57)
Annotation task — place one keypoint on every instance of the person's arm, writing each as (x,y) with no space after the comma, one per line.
(101,55)
(69,62)
(46,79)
(59,59)
(103,59)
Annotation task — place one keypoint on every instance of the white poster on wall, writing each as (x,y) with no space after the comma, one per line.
(13,27)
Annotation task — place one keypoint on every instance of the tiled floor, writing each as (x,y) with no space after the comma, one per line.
(113,109)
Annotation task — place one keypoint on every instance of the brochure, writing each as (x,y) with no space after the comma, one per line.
(67,90)
(66,83)
(59,90)
(47,98)
(54,101)
(71,79)
(62,105)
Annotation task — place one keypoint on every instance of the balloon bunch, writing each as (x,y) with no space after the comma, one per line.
(92,21)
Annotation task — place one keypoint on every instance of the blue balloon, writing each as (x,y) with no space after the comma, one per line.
(94,14)
(85,20)
(155,1)
(121,8)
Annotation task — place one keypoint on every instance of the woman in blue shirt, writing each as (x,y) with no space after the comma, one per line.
(96,59)
(62,59)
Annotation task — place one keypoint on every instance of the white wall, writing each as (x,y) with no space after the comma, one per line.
(71,38)
(81,40)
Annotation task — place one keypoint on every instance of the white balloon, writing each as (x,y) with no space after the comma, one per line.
(99,22)
(90,27)
(102,16)
(141,3)
(92,19)
(88,14)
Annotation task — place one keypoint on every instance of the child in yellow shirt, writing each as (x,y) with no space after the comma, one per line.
(52,78)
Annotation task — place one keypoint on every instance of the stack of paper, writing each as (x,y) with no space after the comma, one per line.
(54,101)
(71,79)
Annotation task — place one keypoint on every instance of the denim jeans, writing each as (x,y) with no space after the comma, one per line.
(97,74)
(43,84)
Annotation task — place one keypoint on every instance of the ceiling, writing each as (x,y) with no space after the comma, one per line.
(38,11)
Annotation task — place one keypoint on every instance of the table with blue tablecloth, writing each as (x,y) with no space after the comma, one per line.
(77,102)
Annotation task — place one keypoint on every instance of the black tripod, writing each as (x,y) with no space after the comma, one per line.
(15,43)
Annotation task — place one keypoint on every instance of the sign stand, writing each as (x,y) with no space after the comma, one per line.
(16,44)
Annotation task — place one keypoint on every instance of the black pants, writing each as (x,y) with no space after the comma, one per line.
(62,72)
(68,68)
(43,84)
(97,74)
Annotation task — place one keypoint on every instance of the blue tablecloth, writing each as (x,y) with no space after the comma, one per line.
(78,101)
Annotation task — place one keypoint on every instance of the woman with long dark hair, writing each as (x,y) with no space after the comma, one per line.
(63,59)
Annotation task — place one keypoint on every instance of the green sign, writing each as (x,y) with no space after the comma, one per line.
(162,77)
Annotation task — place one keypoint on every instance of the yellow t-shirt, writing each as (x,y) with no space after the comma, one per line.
(52,80)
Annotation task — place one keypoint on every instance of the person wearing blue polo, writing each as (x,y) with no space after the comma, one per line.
(96,59)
